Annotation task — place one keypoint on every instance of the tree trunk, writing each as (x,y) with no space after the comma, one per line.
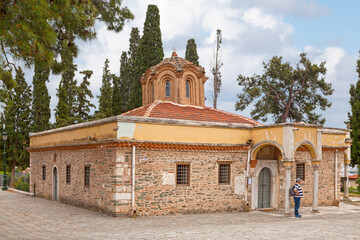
(285,114)
(215,90)
(12,174)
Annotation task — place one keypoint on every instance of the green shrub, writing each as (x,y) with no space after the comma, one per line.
(353,190)
(358,182)
(22,185)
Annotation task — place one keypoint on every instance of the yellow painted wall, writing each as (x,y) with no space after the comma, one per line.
(190,134)
(305,133)
(272,134)
(333,140)
(100,132)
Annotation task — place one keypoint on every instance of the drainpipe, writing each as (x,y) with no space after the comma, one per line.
(247,174)
(336,163)
(133,178)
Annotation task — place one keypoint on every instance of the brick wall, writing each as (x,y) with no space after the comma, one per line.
(102,167)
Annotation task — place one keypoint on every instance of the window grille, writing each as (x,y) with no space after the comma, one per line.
(68,174)
(87,176)
(224,173)
(300,171)
(183,174)
(187,88)
(43,172)
(168,89)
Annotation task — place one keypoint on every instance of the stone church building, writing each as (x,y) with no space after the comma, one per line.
(174,155)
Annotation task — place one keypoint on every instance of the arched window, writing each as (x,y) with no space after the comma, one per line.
(152,91)
(167,89)
(187,88)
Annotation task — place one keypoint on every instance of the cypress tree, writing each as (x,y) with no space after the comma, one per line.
(132,72)
(41,99)
(121,87)
(64,112)
(83,105)
(354,117)
(150,50)
(105,98)
(191,52)
(17,119)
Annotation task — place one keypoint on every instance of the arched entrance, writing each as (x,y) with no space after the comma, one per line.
(55,184)
(264,177)
(264,186)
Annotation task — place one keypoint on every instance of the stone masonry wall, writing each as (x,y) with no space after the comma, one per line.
(102,167)
(326,178)
(157,193)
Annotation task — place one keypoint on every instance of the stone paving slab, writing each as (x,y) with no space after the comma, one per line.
(26,217)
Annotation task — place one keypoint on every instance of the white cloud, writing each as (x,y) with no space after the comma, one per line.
(302,8)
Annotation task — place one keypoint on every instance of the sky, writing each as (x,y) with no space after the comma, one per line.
(253,32)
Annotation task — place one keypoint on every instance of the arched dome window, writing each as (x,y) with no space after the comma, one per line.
(167,88)
(152,94)
(187,88)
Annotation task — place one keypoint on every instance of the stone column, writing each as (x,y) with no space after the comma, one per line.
(315,189)
(287,187)
(346,183)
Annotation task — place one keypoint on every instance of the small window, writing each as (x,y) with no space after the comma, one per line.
(183,174)
(43,172)
(87,176)
(68,174)
(300,171)
(187,88)
(224,173)
(167,88)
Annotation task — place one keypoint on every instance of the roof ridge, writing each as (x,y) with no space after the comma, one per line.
(182,105)
(132,110)
(151,107)
(235,115)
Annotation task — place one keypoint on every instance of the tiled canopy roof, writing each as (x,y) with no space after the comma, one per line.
(353,176)
(178,62)
(170,110)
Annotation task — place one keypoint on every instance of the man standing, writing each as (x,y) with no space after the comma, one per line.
(297,197)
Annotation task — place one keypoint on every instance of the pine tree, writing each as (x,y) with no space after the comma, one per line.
(17,119)
(121,87)
(285,92)
(105,98)
(83,105)
(41,99)
(150,50)
(354,117)
(191,52)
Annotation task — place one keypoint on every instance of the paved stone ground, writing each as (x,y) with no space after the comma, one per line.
(26,217)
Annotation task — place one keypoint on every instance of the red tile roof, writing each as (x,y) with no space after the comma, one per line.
(170,110)
(353,176)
